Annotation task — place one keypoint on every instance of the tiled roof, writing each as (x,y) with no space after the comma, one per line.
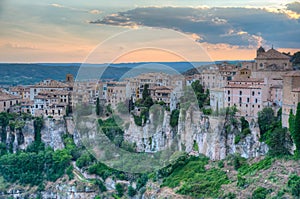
(5,96)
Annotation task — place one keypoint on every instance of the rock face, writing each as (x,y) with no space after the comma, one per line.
(18,138)
(21,138)
(52,133)
(196,133)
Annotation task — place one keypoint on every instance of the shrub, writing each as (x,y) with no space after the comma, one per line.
(260,193)
(294,185)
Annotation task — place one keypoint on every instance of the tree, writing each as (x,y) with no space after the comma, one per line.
(146,92)
(276,140)
(131,191)
(174,118)
(119,189)
(98,106)
(266,120)
(296,132)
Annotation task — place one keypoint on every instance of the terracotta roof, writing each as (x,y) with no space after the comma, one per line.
(5,96)
(50,84)
(272,54)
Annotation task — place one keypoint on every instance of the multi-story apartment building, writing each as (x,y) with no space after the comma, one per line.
(246,94)
(54,103)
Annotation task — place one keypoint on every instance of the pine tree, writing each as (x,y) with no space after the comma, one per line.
(98,107)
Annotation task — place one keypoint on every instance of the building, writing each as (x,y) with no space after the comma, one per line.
(48,85)
(161,94)
(291,88)
(53,103)
(271,60)
(22,91)
(246,94)
(117,92)
(7,101)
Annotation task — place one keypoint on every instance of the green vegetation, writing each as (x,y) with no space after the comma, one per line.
(36,165)
(272,132)
(145,103)
(201,95)
(245,130)
(294,185)
(260,193)
(131,191)
(193,179)
(255,167)
(112,130)
(174,118)
(122,108)
(295,130)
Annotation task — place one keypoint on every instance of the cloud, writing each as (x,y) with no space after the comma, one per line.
(19,46)
(57,5)
(244,27)
(295,7)
(95,12)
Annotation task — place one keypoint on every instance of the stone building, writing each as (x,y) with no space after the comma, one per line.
(271,60)
(291,88)
(7,101)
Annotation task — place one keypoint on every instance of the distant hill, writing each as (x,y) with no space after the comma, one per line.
(26,74)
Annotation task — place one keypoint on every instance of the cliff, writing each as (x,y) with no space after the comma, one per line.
(196,133)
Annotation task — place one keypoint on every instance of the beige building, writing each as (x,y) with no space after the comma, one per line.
(7,101)
(22,91)
(117,92)
(51,103)
(291,87)
(271,60)
(48,85)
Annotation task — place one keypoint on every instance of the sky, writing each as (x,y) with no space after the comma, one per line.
(101,31)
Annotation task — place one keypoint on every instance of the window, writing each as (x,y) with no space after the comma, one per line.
(228,99)
(253,106)
(241,92)
(246,105)
(240,100)
(255,100)
(253,93)
(4,104)
(258,106)
(248,99)
(228,92)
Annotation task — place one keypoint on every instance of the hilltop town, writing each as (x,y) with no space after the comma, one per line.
(268,81)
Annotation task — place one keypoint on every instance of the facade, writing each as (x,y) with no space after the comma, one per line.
(48,85)
(8,101)
(291,85)
(22,91)
(246,94)
(271,60)
(117,92)
(53,104)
